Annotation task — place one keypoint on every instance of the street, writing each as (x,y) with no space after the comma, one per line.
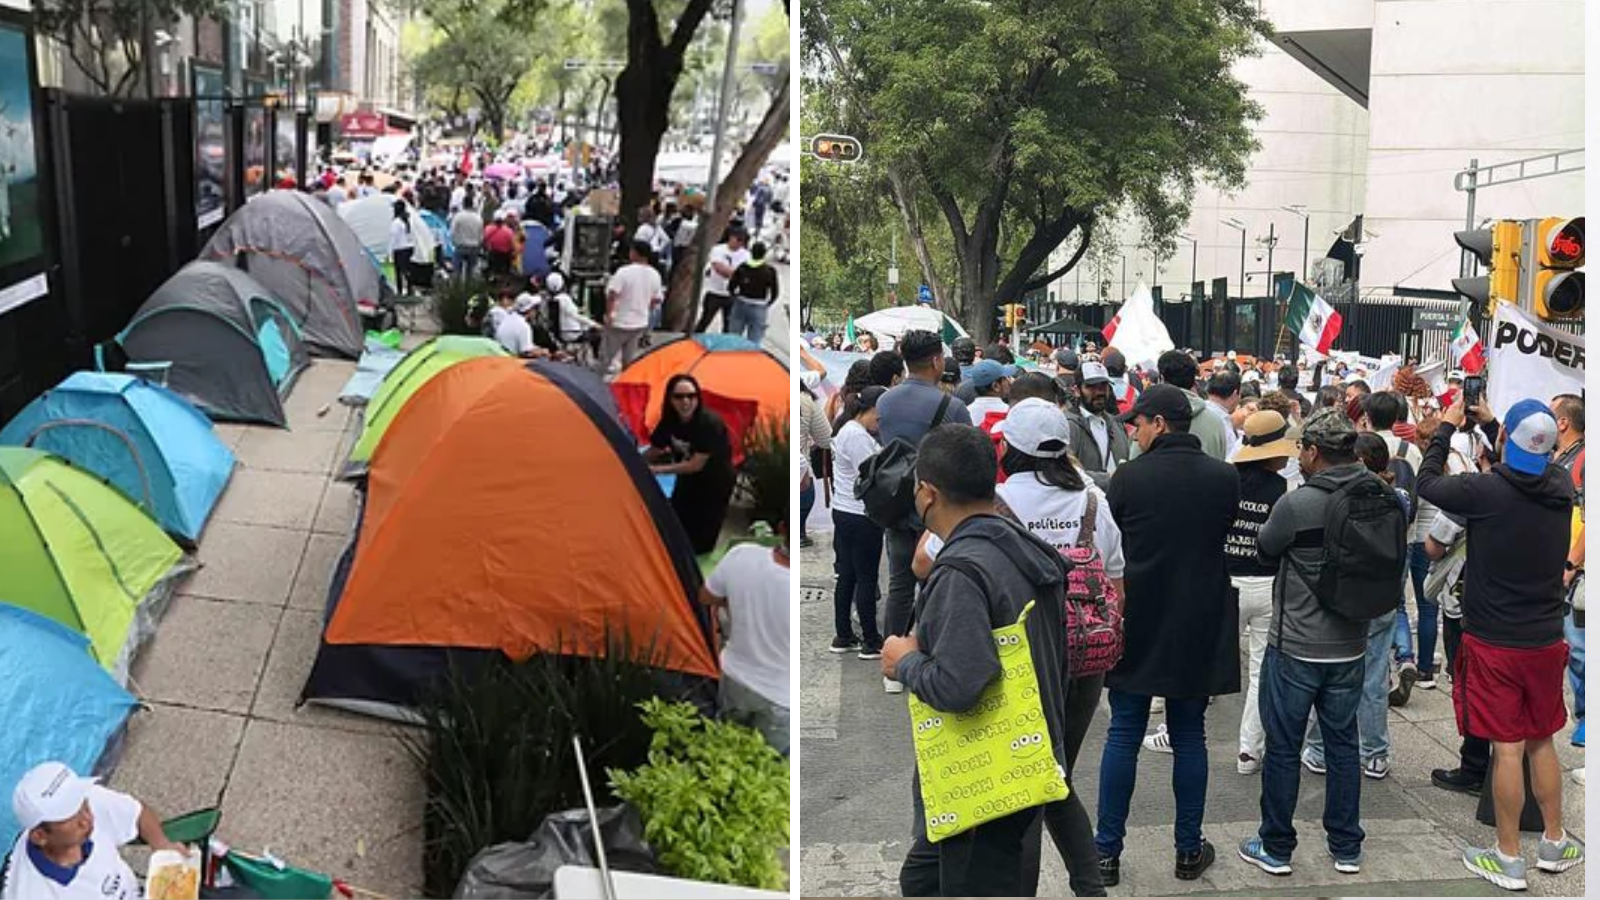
(856,767)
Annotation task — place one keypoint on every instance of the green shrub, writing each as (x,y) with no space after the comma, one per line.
(451,300)
(496,753)
(767,476)
(714,798)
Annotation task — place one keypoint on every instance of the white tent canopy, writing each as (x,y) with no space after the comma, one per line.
(369,218)
(897,320)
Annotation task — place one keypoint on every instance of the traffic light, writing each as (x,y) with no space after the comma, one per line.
(1020,318)
(1008,315)
(1497,248)
(836,148)
(1556,286)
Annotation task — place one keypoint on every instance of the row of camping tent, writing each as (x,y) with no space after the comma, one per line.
(283,279)
(101,479)
(507,510)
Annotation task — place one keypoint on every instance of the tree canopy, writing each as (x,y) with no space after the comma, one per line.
(105,39)
(1017,123)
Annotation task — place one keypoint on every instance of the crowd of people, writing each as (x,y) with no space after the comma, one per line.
(1204,514)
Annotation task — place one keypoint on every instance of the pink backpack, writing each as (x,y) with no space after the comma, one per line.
(1094,618)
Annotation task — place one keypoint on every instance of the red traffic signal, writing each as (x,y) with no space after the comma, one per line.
(836,148)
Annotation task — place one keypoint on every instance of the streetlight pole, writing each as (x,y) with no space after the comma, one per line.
(1194,259)
(702,236)
(1300,210)
(1235,223)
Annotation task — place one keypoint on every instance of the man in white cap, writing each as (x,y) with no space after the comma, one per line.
(71,831)
(1099,442)
(514,333)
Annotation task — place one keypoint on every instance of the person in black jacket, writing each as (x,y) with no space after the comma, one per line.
(1175,505)
(752,289)
(1513,656)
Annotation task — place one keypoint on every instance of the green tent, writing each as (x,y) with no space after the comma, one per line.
(405,379)
(77,551)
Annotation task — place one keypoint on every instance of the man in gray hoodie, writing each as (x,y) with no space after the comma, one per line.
(1315,659)
(988,570)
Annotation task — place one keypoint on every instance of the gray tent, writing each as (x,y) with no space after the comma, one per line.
(228,347)
(306,256)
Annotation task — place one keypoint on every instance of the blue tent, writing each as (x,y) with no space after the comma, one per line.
(441,233)
(57,702)
(146,440)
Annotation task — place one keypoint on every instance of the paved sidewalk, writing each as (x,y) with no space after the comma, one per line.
(856,766)
(324,789)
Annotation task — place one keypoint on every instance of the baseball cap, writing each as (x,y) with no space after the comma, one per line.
(1094,373)
(870,395)
(952,371)
(1162,400)
(1530,436)
(525,303)
(1455,375)
(499,215)
(986,372)
(1035,427)
(1329,428)
(554,282)
(1066,359)
(49,792)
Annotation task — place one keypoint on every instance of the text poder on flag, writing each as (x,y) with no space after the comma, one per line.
(1530,360)
(1310,317)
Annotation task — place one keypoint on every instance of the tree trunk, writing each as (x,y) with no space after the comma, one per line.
(906,201)
(773,129)
(643,96)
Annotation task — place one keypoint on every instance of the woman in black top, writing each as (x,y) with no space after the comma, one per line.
(692,443)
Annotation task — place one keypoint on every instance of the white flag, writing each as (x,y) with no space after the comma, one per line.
(1529,360)
(1140,334)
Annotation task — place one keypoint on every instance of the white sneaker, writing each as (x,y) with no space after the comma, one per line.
(1160,742)
(1248,765)
(1577,774)
(1158,704)
(1376,768)
(890,686)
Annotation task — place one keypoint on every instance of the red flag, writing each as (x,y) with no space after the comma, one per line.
(466,160)
(1110,330)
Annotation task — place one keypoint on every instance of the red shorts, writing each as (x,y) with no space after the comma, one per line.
(1510,694)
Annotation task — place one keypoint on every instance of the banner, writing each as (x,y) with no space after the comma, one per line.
(1530,360)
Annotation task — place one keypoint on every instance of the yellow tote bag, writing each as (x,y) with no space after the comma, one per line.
(994,759)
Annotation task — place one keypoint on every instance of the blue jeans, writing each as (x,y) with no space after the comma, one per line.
(1372,715)
(1575,666)
(1186,725)
(1427,617)
(1290,690)
(749,318)
(808,499)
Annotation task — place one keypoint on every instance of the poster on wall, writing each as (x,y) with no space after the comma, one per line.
(210,145)
(255,150)
(283,160)
(22,200)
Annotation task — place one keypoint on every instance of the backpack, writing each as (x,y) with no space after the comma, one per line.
(886,482)
(1363,549)
(1094,618)
(1405,485)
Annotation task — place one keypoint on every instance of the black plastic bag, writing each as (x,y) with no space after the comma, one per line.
(521,871)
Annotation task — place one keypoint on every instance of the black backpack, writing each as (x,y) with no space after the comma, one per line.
(1363,549)
(886,481)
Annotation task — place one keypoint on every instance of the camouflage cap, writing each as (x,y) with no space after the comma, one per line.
(1330,428)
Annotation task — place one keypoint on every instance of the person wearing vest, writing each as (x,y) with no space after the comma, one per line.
(1266,450)
(1569,455)
(1099,442)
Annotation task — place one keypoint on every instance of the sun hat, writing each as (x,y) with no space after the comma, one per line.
(1266,436)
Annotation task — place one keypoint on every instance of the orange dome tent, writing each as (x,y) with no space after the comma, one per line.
(738,380)
(506,511)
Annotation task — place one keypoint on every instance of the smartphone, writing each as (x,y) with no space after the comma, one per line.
(1472,390)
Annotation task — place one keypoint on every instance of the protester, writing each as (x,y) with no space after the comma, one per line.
(71,832)
(568,321)
(1222,397)
(500,246)
(816,440)
(725,259)
(950,380)
(988,570)
(513,331)
(1265,449)
(466,235)
(1179,370)
(1099,442)
(991,383)
(1174,506)
(1568,409)
(401,246)
(631,293)
(752,289)
(1124,389)
(907,412)
(752,583)
(1513,657)
(857,541)
(692,443)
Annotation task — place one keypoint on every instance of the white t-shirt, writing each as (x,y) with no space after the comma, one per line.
(852,446)
(103,874)
(733,259)
(652,235)
(337,195)
(573,321)
(637,287)
(980,408)
(458,198)
(1055,516)
(514,333)
(400,237)
(757,588)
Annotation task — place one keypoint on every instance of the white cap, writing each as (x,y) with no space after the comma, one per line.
(1455,375)
(524,303)
(50,792)
(1036,427)
(1094,373)
(554,282)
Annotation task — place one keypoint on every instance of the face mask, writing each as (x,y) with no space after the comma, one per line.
(922,513)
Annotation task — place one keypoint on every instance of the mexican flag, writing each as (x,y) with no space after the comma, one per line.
(1312,318)
(1466,349)
(850,330)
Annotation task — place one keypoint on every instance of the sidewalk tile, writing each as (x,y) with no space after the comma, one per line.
(320,797)
(177,760)
(247,562)
(280,499)
(316,572)
(207,654)
(292,655)
(337,512)
(288,451)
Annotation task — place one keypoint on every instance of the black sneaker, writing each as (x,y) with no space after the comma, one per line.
(1190,865)
(806,541)
(1401,694)
(1110,870)
(1458,781)
(1426,681)
(845,645)
(871,652)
